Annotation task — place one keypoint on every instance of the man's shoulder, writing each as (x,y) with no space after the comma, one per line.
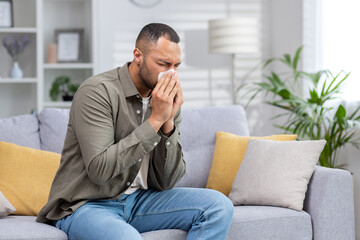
(109,78)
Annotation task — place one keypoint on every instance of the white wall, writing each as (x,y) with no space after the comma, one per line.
(282,33)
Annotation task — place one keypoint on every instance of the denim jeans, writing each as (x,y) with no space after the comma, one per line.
(204,213)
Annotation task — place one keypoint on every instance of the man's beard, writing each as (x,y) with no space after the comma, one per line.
(145,75)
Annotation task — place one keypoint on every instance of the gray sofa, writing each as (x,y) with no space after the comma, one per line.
(328,208)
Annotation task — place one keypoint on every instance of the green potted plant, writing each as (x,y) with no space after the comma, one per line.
(319,114)
(62,86)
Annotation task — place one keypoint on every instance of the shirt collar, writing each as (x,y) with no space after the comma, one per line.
(126,81)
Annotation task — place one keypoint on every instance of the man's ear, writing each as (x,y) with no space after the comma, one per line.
(138,56)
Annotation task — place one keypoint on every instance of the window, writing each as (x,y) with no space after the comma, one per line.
(339,42)
(182,16)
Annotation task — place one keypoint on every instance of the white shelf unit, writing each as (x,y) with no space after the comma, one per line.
(66,14)
(69,66)
(19,96)
(39,19)
(18,30)
(18,80)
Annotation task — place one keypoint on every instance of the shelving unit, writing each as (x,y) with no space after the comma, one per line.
(72,14)
(17,80)
(39,19)
(69,66)
(19,96)
(18,30)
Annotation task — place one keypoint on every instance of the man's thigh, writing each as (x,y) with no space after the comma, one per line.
(98,220)
(177,208)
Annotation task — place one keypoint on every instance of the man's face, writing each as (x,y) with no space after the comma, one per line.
(162,57)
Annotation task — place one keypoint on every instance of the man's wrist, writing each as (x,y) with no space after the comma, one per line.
(155,124)
(168,127)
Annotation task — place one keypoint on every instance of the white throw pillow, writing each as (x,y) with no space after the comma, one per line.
(5,206)
(276,173)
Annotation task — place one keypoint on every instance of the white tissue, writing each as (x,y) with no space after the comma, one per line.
(162,73)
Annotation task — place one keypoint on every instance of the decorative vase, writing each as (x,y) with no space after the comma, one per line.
(16,71)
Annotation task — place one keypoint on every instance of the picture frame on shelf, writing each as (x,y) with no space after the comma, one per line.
(69,44)
(6,13)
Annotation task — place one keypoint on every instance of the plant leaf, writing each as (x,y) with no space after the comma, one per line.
(296,58)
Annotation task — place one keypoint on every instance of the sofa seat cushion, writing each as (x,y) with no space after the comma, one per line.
(25,227)
(22,130)
(249,222)
(168,234)
(265,222)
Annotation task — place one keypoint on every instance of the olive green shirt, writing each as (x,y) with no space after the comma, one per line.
(105,143)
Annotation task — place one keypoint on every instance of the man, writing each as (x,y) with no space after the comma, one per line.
(122,154)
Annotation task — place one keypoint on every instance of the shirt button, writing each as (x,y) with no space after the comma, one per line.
(128,183)
(138,111)
(155,143)
(139,160)
(168,143)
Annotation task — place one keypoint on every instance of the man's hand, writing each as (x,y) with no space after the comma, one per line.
(163,101)
(178,101)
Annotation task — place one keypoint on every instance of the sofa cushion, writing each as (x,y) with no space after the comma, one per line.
(263,222)
(22,130)
(53,125)
(198,134)
(25,227)
(199,125)
(26,175)
(228,154)
(275,173)
(198,162)
(173,234)
(5,206)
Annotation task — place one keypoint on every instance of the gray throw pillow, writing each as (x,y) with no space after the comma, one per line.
(5,206)
(275,173)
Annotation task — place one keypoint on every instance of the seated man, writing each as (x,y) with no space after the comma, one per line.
(122,154)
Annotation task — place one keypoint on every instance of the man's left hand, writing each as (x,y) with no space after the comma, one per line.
(168,126)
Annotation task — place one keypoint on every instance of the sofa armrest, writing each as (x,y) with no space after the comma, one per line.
(330,202)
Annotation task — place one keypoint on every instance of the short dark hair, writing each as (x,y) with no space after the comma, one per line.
(151,33)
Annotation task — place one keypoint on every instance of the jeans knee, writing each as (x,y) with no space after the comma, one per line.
(227,207)
(222,206)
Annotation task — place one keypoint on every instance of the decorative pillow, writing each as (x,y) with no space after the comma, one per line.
(276,173)
(228,153)
(26,175)
(5,206)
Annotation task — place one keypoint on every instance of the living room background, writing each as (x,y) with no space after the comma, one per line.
(281,30)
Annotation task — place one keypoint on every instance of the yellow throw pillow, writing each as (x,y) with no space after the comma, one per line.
(228,153)
(26,175)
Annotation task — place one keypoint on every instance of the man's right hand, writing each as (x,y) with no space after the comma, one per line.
(162,99)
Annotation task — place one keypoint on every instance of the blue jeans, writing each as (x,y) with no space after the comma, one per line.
(204,213)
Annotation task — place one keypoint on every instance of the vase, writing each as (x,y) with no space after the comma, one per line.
(16,71)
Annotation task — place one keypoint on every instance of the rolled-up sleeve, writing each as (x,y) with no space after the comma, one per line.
(94,128)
